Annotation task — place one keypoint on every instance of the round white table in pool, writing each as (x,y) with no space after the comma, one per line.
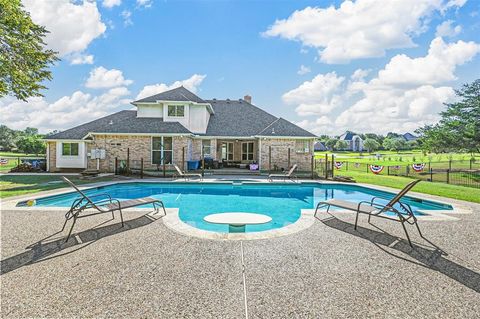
(237,221)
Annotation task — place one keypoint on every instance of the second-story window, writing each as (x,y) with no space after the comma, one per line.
(176,110)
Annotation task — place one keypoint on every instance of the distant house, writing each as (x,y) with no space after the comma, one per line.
(409,137)
(355,142)
(319,147)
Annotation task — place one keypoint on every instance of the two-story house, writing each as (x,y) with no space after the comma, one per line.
(177,126)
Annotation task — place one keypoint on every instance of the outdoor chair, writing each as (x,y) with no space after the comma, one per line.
(106,205)
(286,175)
(401,213)
(184,175)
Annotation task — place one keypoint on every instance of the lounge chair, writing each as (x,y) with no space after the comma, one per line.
(402,212)
(184,175)
(287,175)
(105,205)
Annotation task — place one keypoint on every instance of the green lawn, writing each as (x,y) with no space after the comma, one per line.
(440,189)
(19,185)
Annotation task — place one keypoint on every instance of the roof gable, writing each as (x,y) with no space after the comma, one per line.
(177,94)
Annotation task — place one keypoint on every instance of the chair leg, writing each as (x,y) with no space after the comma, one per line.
(406,233)
(121,217)
(369,216)
(164,211)
(64,224)
(113,215)
(71,228)
(356,220)
(418,228)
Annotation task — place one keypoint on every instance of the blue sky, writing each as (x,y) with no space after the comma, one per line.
(226,49)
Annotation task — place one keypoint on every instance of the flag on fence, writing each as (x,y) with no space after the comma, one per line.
(418,167)
(397,167)
(376,169)
(338,165)
(3,161)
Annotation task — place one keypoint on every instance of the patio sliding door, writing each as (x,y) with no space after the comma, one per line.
(227,151)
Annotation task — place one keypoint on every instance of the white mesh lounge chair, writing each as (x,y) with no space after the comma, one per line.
(184,175)
(286,175)
(401,213)
(105,205)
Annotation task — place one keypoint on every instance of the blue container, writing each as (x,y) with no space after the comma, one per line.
(193,165)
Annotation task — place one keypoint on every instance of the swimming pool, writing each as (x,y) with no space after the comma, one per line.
(282,202)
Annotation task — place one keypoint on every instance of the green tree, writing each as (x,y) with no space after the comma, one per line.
(341,145)
(459,127)
(371,145)
(31,144)
(24,59)
(330,143)
(7,138)
(394,143)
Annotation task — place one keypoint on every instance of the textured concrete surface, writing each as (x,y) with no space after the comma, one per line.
(329,270)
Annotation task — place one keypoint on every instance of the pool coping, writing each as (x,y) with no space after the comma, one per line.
(459,207)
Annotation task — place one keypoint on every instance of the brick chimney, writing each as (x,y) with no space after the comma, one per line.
(248,98)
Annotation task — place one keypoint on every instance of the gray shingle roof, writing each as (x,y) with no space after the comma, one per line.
(177,94)
(230,118)
(122,122)
(240,118)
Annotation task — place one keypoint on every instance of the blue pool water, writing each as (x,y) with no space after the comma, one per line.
(282,202)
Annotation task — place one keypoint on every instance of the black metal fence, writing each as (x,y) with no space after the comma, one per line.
(462,172)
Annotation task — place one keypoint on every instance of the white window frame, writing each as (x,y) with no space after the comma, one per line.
(70,155)
(248,153)
(228,151)
(176,106)
(162,150)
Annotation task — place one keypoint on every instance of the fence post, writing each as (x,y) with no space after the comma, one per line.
(312,160)
(128,161)
(115,169)
(333,164)
(141,168)
(203,163)
(407,170)
(183,158)
(448,176)
(346,168)
(471,160)
(288,164)
(450,164)
(269,158)
(163,166)
(326,166)
(18,161)
(388,170)
(367,167)
(429,165)
(431,175)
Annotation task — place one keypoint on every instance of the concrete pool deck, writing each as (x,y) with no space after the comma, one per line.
(327,270)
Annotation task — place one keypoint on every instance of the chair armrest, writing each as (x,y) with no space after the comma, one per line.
(383,208)
(102,194)
(377,197)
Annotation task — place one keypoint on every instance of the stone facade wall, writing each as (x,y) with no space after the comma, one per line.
(280,154)
(139,147)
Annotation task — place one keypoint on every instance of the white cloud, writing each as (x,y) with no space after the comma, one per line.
(445,29)
(360,29)
(406,94)
(144,3)
(72,26)
(81,59)
(64,113)
(127,17)
(303,70)
(111,3)
(101,77)
(316,97)
(191,84)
